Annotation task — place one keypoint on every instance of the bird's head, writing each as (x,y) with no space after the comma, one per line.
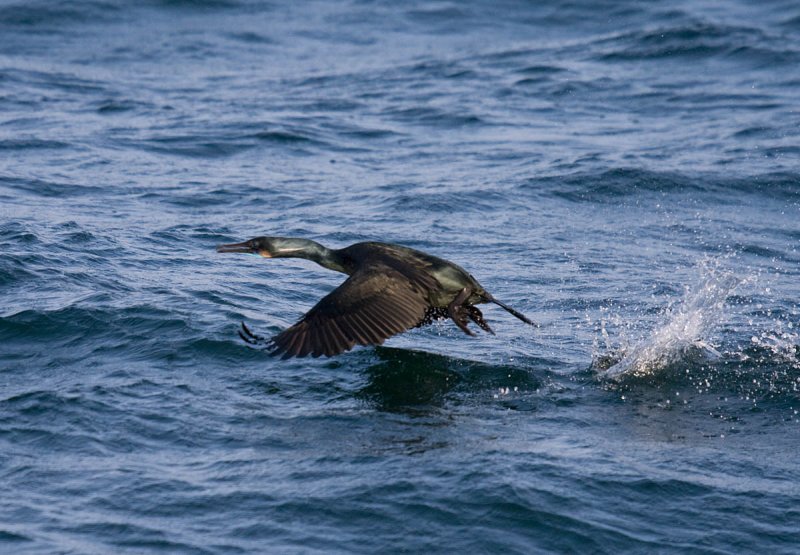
(262,246)
(272,247)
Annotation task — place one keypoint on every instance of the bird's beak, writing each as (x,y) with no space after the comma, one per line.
(236,247)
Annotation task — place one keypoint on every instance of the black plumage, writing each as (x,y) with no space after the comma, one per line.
(391,289)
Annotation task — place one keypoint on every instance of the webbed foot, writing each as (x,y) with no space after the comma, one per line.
(459,313)
(249,337)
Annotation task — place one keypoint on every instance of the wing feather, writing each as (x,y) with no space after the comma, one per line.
(343,342)
(349,331)
(373,304)
(331,346)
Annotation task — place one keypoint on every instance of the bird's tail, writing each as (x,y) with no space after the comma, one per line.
(512,311)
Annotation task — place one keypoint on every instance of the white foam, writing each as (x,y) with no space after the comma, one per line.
(686,327)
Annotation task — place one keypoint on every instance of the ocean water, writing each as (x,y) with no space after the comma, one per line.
(625,173)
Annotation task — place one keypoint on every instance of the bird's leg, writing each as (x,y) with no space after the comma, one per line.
(249,337)
(477,316)
(457,311)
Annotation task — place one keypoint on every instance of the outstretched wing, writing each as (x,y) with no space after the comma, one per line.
(373,304)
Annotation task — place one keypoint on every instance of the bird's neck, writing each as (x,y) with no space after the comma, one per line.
(310,250)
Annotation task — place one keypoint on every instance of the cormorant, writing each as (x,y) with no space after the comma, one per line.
(391,289)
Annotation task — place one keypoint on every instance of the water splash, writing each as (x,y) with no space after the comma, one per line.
(782,346)
(683,335)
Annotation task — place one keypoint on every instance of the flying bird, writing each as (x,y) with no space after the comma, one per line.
(391,289)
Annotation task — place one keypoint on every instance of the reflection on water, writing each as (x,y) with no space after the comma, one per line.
(404,380)
(413,381)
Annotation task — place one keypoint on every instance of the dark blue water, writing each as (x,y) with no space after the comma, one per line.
(625,173)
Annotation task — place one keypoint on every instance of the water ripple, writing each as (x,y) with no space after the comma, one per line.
(582,160)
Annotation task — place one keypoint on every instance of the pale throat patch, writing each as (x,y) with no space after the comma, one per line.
(265,254)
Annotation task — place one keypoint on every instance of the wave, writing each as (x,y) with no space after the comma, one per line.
(198,4)
(8,537)
(75,321)
(697,40)
(45,14)
(32,144)
(609,186)
(229,139)
(435,117)
(44,188)
(478,201)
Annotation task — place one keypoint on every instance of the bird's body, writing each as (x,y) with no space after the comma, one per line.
(391,289)
(450,278)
